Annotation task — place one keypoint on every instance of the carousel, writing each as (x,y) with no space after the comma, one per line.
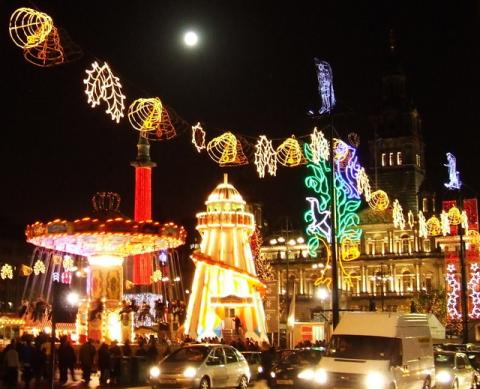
(99,245)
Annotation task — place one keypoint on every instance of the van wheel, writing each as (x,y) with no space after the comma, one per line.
(427,384)
(243,384)
(204,383)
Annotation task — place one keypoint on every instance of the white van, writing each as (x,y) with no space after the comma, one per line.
(380,350)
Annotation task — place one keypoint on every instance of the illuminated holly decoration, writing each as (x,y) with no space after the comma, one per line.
(156,276)
(28,27)
(474,237)
(444,223)
(39,267)
(68,263)
(453,294)
(101,84)
(289,153)
(397,214)
(474,287)
(325,85)
(433,226)
(265,157)
(422,225)
(363,185)
(198,137)
(319,146)
(145,114)
(226,150)
(379,201)
(453,174)
(411,219)
(6,272)
(47,53)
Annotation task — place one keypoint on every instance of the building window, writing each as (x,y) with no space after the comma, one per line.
(384,159)
(418,160)
(425,204)
(407,285)
(390,159)
(399,158)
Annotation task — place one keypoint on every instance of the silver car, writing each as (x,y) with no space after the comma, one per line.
(201,366)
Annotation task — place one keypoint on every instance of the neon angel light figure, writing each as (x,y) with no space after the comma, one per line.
(325,85)
(453,175)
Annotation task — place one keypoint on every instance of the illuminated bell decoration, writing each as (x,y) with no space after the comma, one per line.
(454,216)
(6,272)
(39,267)
(289,153)
(28,27)
(474,237)
(47,53)
(433,226)
(165,129)
(226,150)
(265,157)
(198,137)
(156,276)
(319,146)
(379,200)
(145,114)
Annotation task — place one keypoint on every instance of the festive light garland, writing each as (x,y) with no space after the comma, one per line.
(39,267)
(226,150)
(422,225)
(145,114)
(6,272)
(397,214)
(474,287)
(289,153)
(29,27)
(379,200)
(453,294)
(47,53)
(198,137)
(444,223)
(101,84)
(265,157)
(453,174)
(433,226)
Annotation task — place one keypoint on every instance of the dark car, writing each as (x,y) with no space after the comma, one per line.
(290,363)
(254,359)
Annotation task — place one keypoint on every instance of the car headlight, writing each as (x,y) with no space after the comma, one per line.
(272,374)
(320,376)
(375,379)
(443,376)
(260,369)
(307,374)
(154,372)
(190,372)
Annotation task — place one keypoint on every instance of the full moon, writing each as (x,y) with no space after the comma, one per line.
(190,38)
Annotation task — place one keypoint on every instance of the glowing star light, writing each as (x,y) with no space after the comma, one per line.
(289,153)
(319,146)
(101,84)
(265,157)
(453,294)
(198,137)
(39,267)
(325,85)
(6,272)
(29,27)
(473,287)
(453,174)
(397,214)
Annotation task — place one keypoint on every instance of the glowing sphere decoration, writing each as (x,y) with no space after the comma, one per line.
(226,150)
(379,200)
(145,114)
(289,153)
(29,27)
(47,53)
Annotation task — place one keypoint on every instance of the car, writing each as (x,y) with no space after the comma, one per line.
(202,366)
(474,358)
(290,363)
(462,347)
(254,359)
(454,371)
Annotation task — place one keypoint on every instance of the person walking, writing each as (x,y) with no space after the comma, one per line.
(12,365)
(87,354)
(104,363)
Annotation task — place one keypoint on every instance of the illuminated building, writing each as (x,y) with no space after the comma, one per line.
(225,284)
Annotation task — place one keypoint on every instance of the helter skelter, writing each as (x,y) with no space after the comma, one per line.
(225,283)
(105,238)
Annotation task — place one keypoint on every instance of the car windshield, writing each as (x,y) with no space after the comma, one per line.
(252,357)
(189,354)
(444,360)
(364,347)
(300,357)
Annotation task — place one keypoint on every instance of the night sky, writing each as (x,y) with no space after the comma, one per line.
(252,74)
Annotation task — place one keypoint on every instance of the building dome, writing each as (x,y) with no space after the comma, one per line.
(225,193)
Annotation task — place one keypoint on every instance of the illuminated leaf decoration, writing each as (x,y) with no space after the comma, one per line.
(289,153)
(379,201)
(6,272)
(47,53)
(363,185)
(454,216)
(433,226)
(145,114)
(28,27)
(101,84)
(226,150)
(39,267)
(265,157)
(198,137)
(319,146)
(68,263)
(397,215)
(444,223)
(422,225)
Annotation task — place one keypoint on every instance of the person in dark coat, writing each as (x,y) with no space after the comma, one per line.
(116,357)
(87,354)
(127,350)
(66,360)
(104,363)
(26,358)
